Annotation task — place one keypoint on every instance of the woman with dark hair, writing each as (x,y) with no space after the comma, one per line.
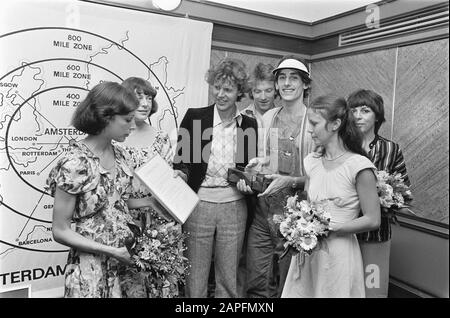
(144,134)
(91,185)
(368,109)
(340,174)
(145,141)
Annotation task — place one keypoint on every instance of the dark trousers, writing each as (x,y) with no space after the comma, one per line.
(266,273)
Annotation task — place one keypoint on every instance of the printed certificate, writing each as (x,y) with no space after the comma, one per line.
(172,193)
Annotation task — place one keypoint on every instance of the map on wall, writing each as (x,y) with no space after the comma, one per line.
(46,71)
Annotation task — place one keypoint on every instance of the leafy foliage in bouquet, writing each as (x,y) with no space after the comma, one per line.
(392,190)
(158,251)
(303,224)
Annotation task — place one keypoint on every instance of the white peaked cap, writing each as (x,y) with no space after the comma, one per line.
(292,63)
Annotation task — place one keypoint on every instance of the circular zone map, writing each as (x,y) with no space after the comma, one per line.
(38,94)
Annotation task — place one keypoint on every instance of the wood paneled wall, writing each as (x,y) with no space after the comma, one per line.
(421,124)
(413,81)
(342,76)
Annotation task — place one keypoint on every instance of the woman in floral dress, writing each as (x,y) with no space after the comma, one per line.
(144,142)
(92,186)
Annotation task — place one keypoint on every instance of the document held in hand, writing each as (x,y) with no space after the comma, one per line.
(172,193)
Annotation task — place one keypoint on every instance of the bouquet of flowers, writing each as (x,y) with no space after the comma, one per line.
(158,250)
(303,225)
(392,190)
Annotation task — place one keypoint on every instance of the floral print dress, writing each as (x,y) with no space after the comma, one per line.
(101,214)
(161,146)
(157,287)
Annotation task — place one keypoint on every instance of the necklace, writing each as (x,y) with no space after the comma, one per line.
(100,157)
(332,159)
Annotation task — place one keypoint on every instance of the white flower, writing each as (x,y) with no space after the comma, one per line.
(145,254)
(156,243)
(291,201)
(318,227)
(398,198)
(304,206)
(392,190)
(319,207)
(308,242)
(285,230)
(303,225)
(277,218)
(382,175)
(325,217)
(386,190)
(386,202)
(152,256)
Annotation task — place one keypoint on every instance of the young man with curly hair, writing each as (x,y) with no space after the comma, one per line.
(211,140)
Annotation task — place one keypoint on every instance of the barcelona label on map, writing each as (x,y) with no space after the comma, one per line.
(38,95)
(51,54)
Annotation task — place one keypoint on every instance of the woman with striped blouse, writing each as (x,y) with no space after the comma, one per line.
(368,109)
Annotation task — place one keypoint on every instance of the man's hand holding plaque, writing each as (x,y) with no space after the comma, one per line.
(251,178)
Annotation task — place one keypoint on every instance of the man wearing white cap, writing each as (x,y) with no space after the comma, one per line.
(286,144)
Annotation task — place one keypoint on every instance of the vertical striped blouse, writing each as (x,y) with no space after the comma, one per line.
(386,155)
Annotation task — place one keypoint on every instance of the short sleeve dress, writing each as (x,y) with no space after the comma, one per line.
(336,269)
(101,214)
(161,146)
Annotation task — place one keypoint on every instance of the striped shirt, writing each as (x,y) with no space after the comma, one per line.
(386,155)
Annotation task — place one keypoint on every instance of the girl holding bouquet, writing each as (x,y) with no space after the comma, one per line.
(368,109)
(91,184)
(339,174)
(144,142)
